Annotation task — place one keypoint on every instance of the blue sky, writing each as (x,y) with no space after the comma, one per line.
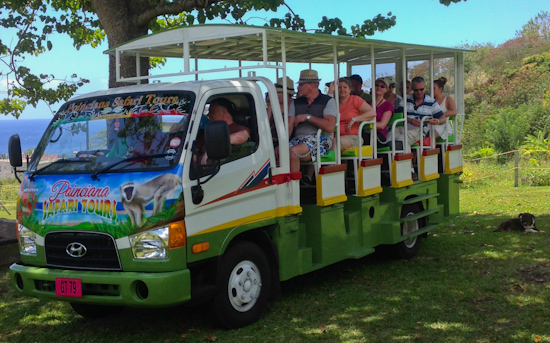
(419,22)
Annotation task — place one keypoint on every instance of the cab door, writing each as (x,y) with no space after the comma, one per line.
(240,191)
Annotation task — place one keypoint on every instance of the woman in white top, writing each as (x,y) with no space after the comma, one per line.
(447,105)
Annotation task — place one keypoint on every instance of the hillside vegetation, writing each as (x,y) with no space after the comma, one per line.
(508,92)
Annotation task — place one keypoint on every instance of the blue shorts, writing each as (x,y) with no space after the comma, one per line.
(311,142)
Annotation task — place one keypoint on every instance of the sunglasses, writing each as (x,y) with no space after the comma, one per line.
(380,85)
(418,90)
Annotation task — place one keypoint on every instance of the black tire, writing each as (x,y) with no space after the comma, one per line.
(244,282)
(95,311)
(409,248)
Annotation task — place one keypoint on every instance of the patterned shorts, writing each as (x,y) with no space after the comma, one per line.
(311,142)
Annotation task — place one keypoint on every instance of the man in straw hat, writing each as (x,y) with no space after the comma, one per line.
(311,111)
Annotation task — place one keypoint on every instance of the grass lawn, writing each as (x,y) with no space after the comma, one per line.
(467,284)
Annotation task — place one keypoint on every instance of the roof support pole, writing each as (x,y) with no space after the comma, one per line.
(407,148)
(117,62)
(459,90)
(284,152)
(186,56)
(196,69)
(138,67)
(373,77)
(432,66)
(264,47)
(335,62)
(285,86)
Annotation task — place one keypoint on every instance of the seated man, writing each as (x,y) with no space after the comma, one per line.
(419,105)
(357,87)
(310,111)
(220,109)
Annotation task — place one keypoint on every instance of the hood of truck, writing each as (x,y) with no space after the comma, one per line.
(119,204)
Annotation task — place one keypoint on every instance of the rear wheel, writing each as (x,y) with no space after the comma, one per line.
(409,248)
(243,286)
(95,311)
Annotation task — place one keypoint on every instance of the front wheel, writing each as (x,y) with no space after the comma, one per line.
(244,282)
(407,249)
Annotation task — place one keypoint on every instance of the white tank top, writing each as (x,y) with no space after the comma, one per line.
(443,105)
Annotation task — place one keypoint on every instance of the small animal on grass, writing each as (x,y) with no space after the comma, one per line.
(525,222)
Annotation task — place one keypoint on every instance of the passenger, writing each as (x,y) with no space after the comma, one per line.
(419,105)
(280,95)
(398,102)
(310,111)
(389,95)
(357,87)
(384,112)
(447,105)
(353,111)
(222,109)
(391,87)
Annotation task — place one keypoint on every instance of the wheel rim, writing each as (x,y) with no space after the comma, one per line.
(244,286)
(408,228)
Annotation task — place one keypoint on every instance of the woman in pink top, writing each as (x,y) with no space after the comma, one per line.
(353,110)
(384,110)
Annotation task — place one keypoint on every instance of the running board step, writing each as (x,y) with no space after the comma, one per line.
(421,231)
(419,215)
(418,199)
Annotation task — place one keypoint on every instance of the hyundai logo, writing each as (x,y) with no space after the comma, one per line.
(76,249)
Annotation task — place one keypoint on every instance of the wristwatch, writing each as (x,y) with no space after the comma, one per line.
(308,117)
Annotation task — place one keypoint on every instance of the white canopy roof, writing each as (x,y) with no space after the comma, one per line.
(244,43)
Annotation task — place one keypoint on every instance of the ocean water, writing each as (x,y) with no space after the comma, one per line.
(29,130)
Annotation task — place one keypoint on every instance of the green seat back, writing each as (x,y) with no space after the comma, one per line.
(395,116)
(329,157)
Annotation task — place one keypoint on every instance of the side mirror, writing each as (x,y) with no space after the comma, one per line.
(14,150)
(216,137)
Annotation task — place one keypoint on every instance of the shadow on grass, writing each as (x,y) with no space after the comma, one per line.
(468,284)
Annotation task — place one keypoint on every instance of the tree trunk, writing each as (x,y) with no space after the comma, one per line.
(118,19)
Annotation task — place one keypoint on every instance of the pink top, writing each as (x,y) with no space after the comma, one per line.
(383,107)
(350,110)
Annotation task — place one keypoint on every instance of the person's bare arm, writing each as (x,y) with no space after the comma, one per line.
(451,107)
(366,112)
(290,126)
(386,116)
(239,137)
(327,123)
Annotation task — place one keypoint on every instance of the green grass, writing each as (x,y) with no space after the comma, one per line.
(467,284)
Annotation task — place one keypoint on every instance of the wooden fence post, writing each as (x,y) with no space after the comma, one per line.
(516,168)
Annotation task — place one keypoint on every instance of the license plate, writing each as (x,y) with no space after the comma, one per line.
(68,287)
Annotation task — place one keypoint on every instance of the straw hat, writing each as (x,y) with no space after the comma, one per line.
(309,75)
(289,85)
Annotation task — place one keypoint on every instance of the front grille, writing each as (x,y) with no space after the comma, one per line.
(101,252)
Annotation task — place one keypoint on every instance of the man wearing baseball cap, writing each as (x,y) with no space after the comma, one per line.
(310,111)
(356,87)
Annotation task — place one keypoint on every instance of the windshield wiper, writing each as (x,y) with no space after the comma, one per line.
(62,161)
(131,158)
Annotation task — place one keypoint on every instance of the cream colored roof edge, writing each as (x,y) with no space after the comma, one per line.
(240,42)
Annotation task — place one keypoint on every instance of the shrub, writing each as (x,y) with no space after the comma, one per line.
(537,177)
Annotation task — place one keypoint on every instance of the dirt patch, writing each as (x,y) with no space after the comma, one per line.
(539,273)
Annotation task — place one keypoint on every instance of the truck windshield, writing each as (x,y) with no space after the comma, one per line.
(93,134)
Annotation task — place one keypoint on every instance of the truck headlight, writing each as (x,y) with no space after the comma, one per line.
(151,244)
(27,240)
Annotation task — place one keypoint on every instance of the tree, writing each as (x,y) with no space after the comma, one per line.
(91,21)
(538,26)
